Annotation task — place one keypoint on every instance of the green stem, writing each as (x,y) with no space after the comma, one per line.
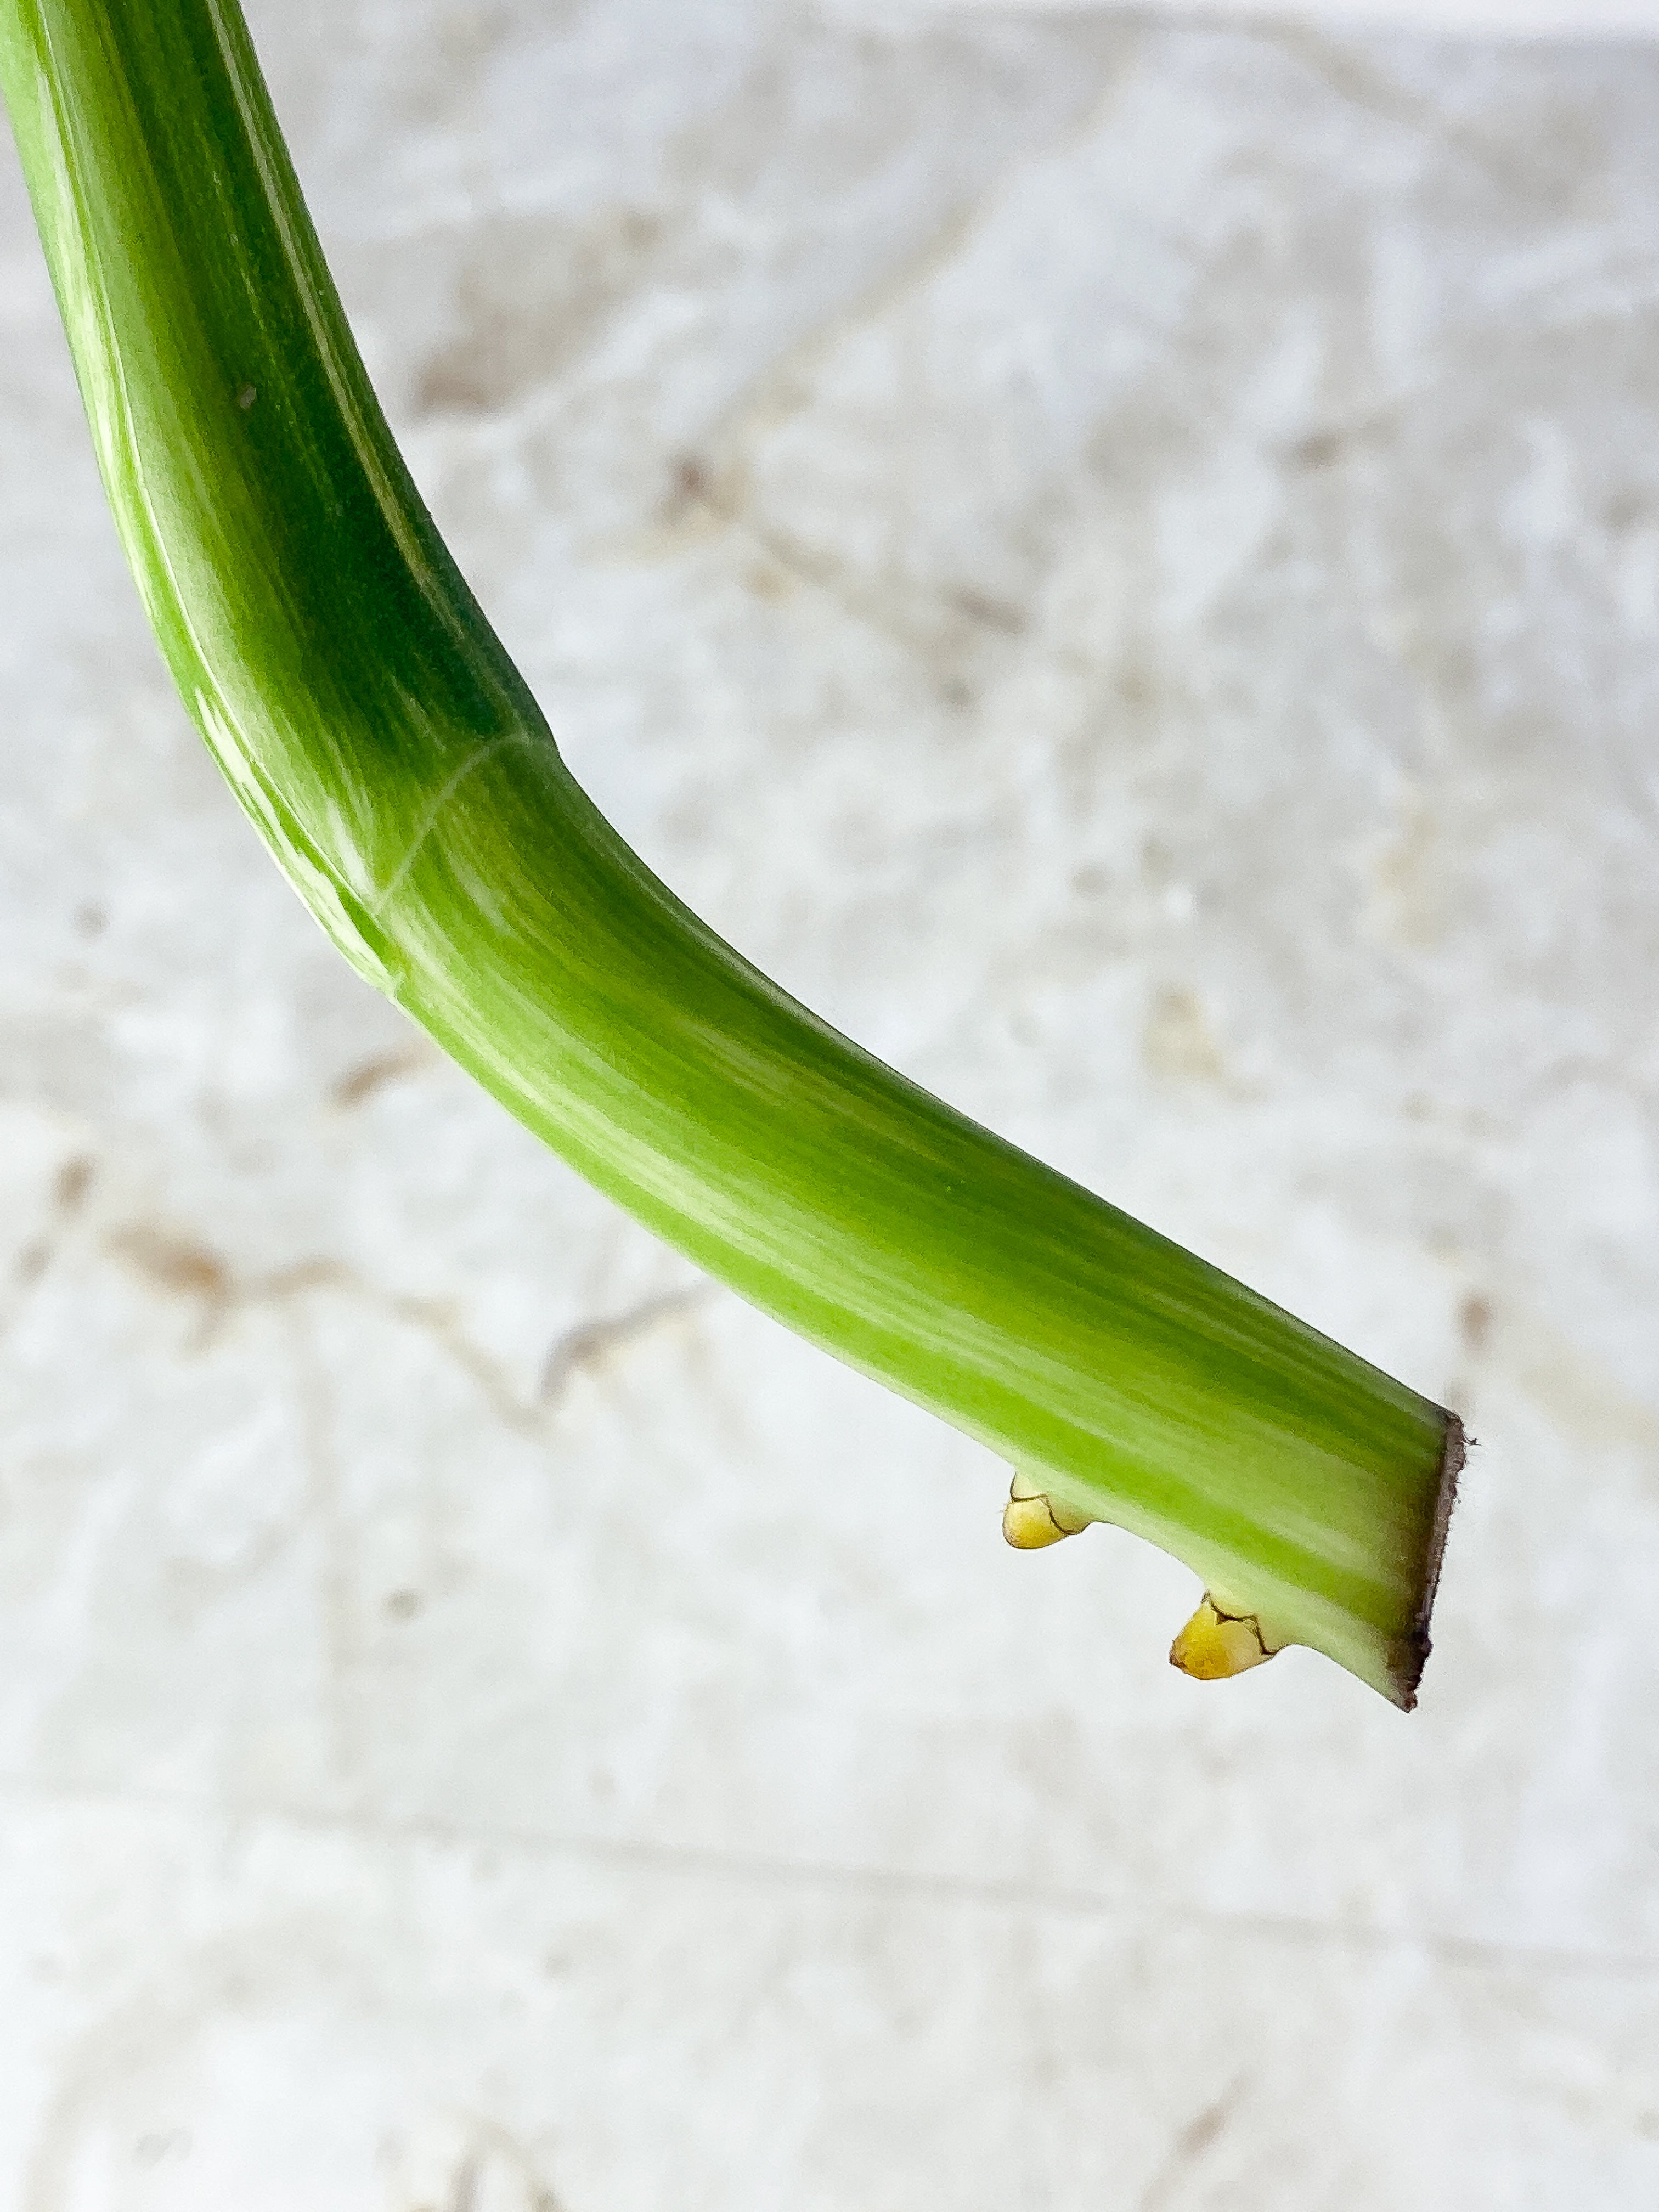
(387,749)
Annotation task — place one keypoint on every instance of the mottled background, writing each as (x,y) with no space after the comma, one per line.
(1118,557)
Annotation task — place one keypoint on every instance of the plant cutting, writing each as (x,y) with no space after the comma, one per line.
(385,748)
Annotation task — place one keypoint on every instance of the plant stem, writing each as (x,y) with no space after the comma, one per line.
(388,751)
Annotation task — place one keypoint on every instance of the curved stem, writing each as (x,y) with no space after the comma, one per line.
(389,753)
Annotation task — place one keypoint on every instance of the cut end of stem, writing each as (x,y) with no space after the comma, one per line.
(1414,1655)
(1223,1638)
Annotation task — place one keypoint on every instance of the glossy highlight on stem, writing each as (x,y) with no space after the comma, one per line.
(388,751)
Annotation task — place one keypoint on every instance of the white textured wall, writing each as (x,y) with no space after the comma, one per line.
(1491,19)
(1122,563)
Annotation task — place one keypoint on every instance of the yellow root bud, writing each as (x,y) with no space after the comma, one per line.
(1217,1643)
(1031,1520)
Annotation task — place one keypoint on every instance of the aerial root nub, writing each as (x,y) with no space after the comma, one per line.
(1221,1641)
(1031,1520)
